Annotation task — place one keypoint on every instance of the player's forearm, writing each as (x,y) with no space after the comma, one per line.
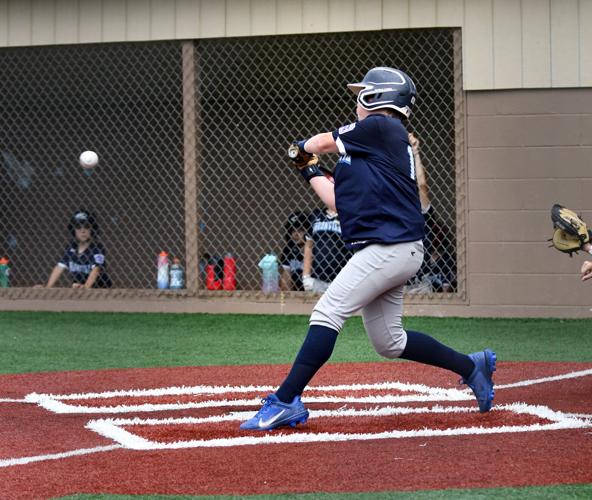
(424,198)
(285,280)
(422,183)
(54,276)
(92,277)
(307,258)
(321,144)
(325,190)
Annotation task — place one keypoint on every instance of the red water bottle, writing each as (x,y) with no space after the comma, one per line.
(229,280)
(211,282)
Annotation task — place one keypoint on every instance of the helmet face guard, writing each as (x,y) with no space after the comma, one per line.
(384,87)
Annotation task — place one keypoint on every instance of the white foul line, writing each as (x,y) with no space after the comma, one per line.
(554,378)
(585,416)
(56,456)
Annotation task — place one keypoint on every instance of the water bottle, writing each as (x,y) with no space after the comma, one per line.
(229,280)
(162,276)
(211,282)
(270,274)
(4,273)
(177,275)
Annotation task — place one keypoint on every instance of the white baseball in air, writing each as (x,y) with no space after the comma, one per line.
(88,159)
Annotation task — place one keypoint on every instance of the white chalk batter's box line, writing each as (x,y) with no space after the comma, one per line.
(118,429)
(415,393)
(58,403)
(114,428)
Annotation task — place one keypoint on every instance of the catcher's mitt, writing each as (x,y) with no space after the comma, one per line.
(570,231)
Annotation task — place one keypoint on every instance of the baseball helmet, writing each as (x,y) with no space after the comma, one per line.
(384,87)
(82,218)
(297,220)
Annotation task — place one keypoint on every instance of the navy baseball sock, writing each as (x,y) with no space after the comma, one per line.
(314,353)
(425,349)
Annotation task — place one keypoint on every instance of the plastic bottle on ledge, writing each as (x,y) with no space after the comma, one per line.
(229,280)
(4,273)
(214,274)
(270,274)
(162,276)
(177,275)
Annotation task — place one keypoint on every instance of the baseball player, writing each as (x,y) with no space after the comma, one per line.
(325,252)
(84,257)
(291,260)
(571,234)
(376,196)
(586,270)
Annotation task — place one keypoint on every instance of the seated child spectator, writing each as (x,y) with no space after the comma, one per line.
(438,271)
(291,260)
(325,253)
(439,266)
(84,257)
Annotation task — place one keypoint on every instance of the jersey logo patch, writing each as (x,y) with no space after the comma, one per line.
(330,226)
(346,159)
(346,128)
(99,258)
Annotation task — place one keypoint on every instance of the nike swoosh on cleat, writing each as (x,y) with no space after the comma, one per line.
(266,423)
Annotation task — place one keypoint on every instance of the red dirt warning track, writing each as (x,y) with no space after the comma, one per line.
(371,438)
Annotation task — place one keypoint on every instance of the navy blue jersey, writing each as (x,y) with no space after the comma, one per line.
(80,265)
(293,261)
(329,251)
(376,190)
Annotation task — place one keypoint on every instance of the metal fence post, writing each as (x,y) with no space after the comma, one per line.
(190,131)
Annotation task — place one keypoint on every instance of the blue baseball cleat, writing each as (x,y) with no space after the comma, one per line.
(480,380)
(275,413)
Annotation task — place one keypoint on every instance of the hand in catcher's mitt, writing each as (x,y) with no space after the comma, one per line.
(570,232)
(305,163)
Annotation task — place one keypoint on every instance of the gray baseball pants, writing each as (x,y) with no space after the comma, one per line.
(373,280)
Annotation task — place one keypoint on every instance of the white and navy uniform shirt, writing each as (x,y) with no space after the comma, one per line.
(376,192)
(329,251)
(81,264)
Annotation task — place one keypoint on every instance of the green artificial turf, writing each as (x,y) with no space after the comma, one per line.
(44,341)
(534,492)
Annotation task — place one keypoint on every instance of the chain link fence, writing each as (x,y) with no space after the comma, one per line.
(192,140)
(125,103)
